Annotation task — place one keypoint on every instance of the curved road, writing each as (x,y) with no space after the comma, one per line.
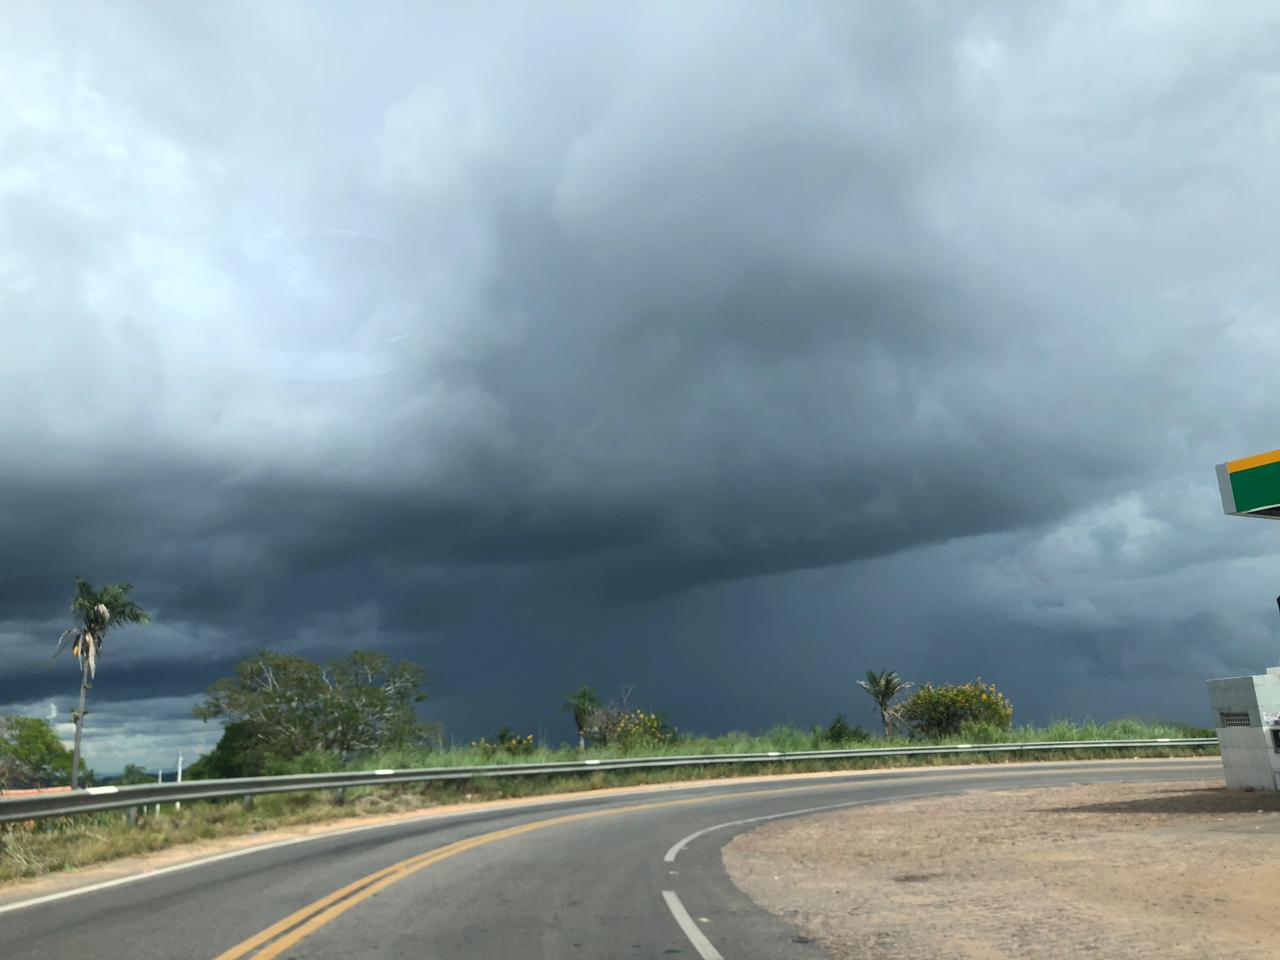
(611,876)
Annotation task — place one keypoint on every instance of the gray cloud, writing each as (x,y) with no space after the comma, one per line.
(539,345)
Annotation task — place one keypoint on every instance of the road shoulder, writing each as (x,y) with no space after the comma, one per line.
(1123,870)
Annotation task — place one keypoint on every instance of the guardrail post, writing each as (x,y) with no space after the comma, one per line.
(340,796)
(131,816)
(247,801)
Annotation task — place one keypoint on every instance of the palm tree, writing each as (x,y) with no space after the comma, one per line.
(582,703)
(95,610)
(883,687)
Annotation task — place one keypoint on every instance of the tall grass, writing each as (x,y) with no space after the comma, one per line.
(783,738)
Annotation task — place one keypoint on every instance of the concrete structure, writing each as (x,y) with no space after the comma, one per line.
(1247,711)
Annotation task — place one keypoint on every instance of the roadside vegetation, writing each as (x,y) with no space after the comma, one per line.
(284,713)
(68,843)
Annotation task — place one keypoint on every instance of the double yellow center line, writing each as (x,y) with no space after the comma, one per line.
(286,933)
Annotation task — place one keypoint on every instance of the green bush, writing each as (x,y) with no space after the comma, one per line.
(933,712)
(840,732)
(240,752)
(634,729)
(506,741)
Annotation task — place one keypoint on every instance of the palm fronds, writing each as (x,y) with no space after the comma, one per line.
(883,687)
(97,609)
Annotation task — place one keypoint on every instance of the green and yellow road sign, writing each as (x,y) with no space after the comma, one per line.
(1250,486)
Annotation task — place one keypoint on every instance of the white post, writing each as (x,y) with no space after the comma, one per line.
(178,804)
(159,779)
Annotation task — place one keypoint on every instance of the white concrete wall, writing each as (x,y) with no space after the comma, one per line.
(1249,757)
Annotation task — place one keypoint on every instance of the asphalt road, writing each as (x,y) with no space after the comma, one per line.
(593,878)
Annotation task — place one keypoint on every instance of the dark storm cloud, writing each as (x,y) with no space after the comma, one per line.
(136,681)
(546,343)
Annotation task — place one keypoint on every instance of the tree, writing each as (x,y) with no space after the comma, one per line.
(134,774)
(937,712)
(582,703)
(31,755)
(348,705)
(883,687)
(240,752)
(603,719)
(615,724)
(95,610)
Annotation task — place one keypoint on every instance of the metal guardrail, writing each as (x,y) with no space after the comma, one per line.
(92,799)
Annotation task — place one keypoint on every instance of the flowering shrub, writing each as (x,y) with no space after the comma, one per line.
(935,712)
(506,741)
(631,729)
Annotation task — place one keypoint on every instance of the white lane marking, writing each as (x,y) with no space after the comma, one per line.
(257,848)
(670,855)
(191,864)
(700,943)
(881,776)
(275,845)
(134,878)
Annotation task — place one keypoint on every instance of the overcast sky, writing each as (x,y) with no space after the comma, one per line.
(722,350)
